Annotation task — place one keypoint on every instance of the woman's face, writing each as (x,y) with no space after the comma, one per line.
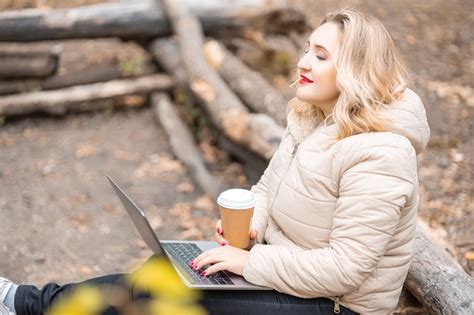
(317,81)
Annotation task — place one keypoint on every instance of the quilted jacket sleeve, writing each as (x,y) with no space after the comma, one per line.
(260,215)
(375,184)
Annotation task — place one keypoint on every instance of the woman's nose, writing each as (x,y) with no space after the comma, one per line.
(303,63)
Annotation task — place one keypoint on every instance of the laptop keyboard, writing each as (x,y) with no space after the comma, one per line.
(183,253)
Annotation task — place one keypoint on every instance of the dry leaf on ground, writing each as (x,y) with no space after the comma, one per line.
(185,187)
(85,150)
(205,203)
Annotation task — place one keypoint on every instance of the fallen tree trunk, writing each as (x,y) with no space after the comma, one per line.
(59,101)
(27,67)
(249,85)
(134,19)
(28,60)
(183,145)
(437,281)
(260,134)
(165,53)
(92,74)
(29,50)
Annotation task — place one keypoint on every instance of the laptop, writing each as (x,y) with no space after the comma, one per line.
(181,252)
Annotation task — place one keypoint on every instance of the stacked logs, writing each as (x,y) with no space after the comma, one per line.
(248,112)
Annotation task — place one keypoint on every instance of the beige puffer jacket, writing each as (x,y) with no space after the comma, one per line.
(337,219)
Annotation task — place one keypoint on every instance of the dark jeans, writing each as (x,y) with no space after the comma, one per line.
(31,301)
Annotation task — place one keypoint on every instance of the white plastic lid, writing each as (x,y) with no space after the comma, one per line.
(236,198)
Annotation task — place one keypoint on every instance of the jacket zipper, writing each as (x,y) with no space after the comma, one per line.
(337,307)
(295,149)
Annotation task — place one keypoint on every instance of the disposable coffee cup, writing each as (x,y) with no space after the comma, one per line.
(236,209)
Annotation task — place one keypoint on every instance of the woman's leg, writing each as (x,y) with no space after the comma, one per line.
(30,300)
(266,302)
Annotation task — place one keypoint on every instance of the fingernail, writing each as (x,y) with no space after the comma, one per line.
(203,273)
(219,230)
(223,244)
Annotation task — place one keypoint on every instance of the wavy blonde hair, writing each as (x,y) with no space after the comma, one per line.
(370,75)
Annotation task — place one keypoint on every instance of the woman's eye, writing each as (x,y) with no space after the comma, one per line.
(320,58)
(306,48)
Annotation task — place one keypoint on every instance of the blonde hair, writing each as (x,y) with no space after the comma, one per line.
(370,75)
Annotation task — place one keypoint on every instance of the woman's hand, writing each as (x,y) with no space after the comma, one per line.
(226,257)
(221,240)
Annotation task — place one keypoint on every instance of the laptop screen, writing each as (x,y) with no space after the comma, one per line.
(139,219)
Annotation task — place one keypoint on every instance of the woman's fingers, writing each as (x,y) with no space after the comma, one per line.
(207,253)
(253,234)
(207,259)
(218,234)
(222,241)
(214,268)
(219,226)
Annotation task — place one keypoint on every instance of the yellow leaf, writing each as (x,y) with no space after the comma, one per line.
(159,277)
(85,300)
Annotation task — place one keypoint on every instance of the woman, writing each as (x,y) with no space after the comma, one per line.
(336,208)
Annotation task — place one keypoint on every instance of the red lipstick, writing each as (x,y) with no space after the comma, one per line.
(304,79)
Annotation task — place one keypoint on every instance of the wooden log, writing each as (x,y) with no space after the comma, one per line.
(254,165)
(165,53)
(131,19)
(58,101)
(183,145)
(27,67)
(249,85)
(224,107)
(18,86)
(19,60)
(437,281)
(81,64)
(91,74)
(14,49)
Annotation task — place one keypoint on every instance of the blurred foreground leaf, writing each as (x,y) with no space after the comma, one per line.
(158,276)
(86,300)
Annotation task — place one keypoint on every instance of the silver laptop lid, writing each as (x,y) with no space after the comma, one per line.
(139,219)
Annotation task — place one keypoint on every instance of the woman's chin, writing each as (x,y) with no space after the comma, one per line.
(303,96)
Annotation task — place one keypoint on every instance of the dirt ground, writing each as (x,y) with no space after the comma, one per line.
(60,220)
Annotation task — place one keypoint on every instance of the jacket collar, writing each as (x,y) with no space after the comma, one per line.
(408,117)
(300,126)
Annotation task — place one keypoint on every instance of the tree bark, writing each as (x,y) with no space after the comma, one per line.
(27,67)
(91,74)
(59,101)
(183,145)
(134,19)
(437,281)
(30,50)
(249,85)
(19,60)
